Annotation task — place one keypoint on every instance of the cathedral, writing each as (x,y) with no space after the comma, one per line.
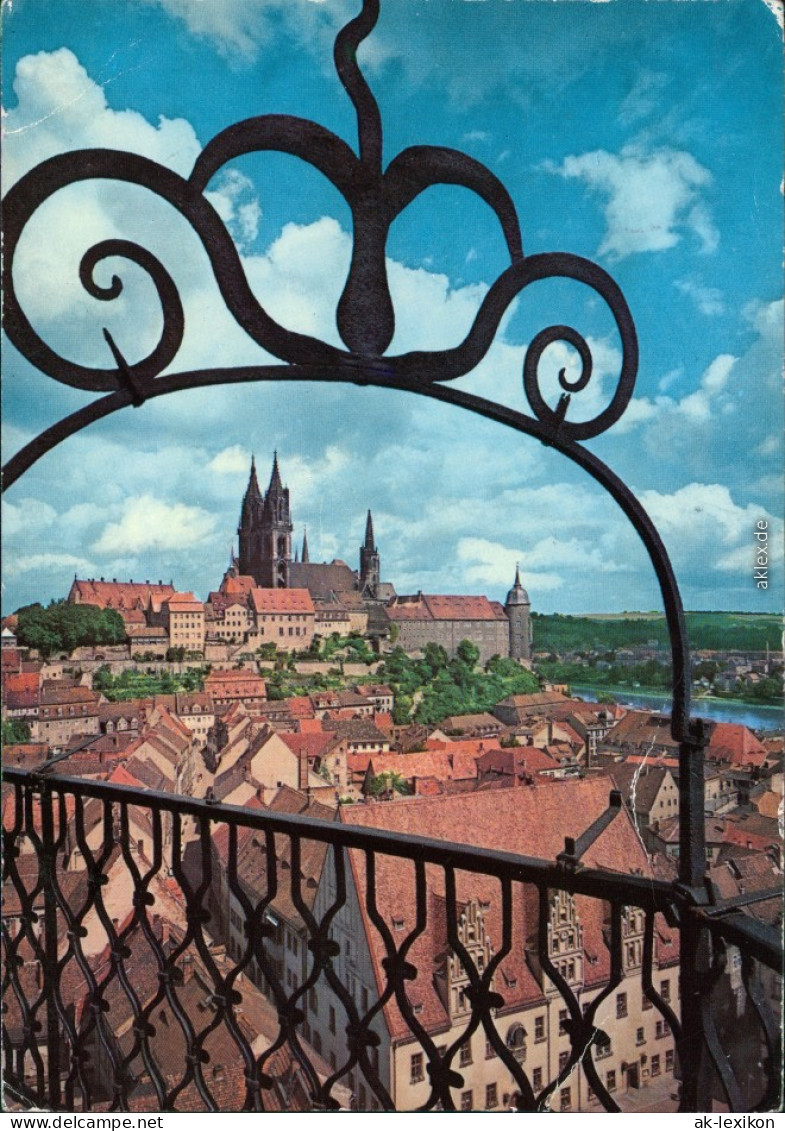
(265,555)
(265,543)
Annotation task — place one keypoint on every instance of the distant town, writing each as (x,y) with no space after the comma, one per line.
(315,688)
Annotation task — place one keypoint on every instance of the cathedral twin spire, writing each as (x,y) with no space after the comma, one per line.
(265,536)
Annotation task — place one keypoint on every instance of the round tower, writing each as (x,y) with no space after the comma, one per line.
(518,610)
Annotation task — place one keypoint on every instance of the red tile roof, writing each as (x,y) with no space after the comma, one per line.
(116,594)
(732,742)
(529,821)
(437,606)
(281,601)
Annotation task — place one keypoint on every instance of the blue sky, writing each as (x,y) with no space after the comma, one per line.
(645,136)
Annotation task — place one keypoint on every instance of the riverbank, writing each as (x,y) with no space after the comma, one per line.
(756,716)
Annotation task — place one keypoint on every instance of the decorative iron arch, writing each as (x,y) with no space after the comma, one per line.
(365,316)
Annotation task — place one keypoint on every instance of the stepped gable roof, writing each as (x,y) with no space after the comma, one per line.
(638,783)
(530,822)
(439,606)
(118,595)
(294,600)
(322,579)
(734,743)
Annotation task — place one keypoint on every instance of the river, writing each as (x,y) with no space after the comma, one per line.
(754,715)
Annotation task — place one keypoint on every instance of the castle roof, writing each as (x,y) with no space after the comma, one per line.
(281,601)
(322,579)
(119,595)
(437,606)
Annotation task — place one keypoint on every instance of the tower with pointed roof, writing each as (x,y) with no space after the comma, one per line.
(518,610)
(370,566)
(265,531)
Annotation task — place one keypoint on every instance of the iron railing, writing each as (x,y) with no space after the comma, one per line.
(45,1021)
(97,1030)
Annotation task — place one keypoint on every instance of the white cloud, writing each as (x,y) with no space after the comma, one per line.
(231,461)
(28,516)
(60,108)
(650,198)
(708,300)
(151,524)
(40,563)
(705,515)
(237,31)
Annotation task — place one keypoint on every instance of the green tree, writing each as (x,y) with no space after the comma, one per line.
(14,732)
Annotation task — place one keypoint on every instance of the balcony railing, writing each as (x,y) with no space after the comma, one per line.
(105,1010)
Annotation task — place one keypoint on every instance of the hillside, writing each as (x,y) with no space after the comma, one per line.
(722,632)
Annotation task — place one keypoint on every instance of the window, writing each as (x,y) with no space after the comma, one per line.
(416,1073)
(537,1079)
(563,1058)
(313,1001)
(490,1051)
(491,1095)
(645,1003)
(565,1099)
(662,1029)
(317,1043)
(364,999)
(669,1060)
(603,1046)
(563,1020)
(465,1055)
(640,1037)
(655,1066)
(621,1005)
(466,1101)
(665,990)
(331,1020)
(539,1027)
(610,1080)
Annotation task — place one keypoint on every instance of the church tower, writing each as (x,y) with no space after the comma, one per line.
(518,609)
(250,528)
(370,566)
(276,534)
(265,532)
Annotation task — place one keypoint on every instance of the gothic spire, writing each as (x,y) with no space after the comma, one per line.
(253,483)
(276,486)
(369,532)
(304,556)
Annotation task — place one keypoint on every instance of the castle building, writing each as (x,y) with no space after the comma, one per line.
(265,534)
(345,599)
